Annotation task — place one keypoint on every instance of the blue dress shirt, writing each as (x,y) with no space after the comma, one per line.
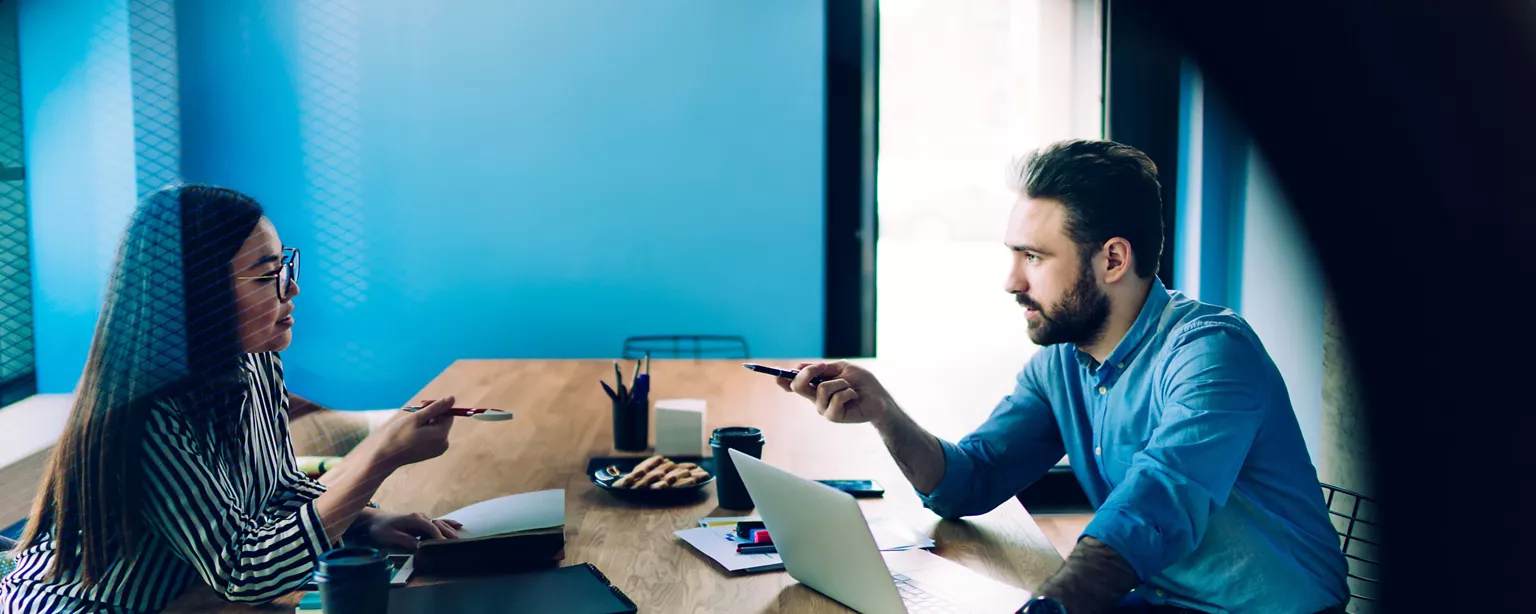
(1186,444)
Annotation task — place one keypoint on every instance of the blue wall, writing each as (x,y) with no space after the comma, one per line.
(77,117)
(1240,246)
(517,179)
(1282,295)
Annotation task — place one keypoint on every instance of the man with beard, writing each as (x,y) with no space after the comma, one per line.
(1176,421)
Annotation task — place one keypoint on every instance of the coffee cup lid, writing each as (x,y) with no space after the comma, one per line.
(344,558)
(736,432)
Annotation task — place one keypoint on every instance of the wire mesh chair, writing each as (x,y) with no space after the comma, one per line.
(1354,517)
(694,346)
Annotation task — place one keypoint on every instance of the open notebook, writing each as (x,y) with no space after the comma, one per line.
(512,533)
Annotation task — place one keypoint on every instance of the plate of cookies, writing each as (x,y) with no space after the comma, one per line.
(657,478)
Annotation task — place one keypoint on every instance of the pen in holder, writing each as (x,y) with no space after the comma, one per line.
(631,409)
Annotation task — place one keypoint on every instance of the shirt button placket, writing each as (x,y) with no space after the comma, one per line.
(1098,449)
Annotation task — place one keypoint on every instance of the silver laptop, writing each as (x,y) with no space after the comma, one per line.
(826,545)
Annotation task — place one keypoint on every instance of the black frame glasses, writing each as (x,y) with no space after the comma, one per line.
(287,272)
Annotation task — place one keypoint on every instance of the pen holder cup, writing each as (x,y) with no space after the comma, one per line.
(631,425)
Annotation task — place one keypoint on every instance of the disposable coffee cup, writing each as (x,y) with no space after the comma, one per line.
(732,494)
(353,581)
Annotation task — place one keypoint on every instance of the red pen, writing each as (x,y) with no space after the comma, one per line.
(478,413)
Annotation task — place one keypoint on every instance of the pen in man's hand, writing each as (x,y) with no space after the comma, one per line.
(784,373)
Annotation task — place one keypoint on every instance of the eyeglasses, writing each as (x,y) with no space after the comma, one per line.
(286,274)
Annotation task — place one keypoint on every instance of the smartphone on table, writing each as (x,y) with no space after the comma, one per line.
(857,488)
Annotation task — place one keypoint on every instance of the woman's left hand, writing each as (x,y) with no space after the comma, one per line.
(404,530)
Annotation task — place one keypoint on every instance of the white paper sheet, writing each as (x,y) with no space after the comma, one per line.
(543,509)
(714,543)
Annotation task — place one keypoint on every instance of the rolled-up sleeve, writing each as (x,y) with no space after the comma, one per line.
(297,493)
(1213,410)
(298,487)
(192,506)
(1017,444)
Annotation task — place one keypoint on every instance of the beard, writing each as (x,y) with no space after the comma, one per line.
(1079,317)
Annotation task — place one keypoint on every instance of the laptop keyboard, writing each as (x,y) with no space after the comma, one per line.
(919,601)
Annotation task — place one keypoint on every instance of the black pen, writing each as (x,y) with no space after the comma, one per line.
(784,373)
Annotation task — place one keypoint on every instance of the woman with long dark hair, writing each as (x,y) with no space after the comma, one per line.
(176,461)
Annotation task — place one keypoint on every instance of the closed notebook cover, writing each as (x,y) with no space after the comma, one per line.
(578,589)
(494,554)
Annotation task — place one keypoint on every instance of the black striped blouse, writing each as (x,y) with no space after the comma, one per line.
(247,527)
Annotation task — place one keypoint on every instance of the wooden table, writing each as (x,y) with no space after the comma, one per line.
(564,419)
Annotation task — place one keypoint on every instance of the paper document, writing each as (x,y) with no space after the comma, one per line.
(717,540)
(528,511)
(717,543)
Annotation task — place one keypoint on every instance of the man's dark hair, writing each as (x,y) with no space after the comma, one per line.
(1108,189)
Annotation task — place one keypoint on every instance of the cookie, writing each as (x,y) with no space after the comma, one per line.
(659,472)
(653,475)
(649,464)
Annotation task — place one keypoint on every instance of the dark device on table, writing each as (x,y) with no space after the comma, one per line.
(575,589)
(857,488)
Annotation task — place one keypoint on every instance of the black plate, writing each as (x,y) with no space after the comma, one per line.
(646,495)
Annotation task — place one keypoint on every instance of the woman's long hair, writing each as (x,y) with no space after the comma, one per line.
(167,328)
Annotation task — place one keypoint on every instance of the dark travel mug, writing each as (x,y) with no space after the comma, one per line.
(353,581)
(731,493)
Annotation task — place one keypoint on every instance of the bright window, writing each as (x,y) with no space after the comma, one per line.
(965,87)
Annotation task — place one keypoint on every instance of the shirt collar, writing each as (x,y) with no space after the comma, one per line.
(1151,313)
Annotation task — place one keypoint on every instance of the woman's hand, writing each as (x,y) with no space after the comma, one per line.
(412,437)
(405,530)
(407,438)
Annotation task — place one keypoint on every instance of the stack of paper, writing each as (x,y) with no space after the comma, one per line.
(716,538)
